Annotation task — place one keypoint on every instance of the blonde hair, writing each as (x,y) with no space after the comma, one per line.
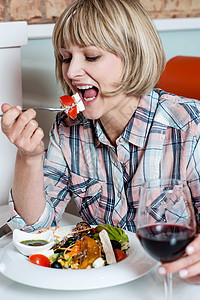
(122,27)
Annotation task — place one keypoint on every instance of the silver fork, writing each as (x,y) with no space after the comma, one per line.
(53,109)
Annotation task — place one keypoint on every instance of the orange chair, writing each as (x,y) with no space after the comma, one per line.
(182,77)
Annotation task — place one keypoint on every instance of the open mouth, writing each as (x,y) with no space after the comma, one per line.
(87,92)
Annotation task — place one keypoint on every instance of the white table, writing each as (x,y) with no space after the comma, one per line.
(148,287)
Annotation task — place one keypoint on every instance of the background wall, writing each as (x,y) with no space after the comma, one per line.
(47,11)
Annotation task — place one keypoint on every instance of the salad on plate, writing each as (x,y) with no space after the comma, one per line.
(85,247)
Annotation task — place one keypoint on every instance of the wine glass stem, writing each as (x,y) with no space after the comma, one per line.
(168,287)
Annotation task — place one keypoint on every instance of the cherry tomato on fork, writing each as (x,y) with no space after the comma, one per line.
(40,260)
(67,101)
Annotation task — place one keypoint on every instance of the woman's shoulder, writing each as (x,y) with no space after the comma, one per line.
(177,110)
(170,97)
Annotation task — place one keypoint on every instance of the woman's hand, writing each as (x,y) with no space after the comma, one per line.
(187,266)
(22,130)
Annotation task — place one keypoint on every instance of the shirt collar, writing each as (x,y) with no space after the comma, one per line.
(138,128)
(100,135)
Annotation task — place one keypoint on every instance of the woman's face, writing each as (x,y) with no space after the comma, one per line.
(90,71)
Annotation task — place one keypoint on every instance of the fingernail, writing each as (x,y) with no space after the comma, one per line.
(19,107)
(190,250)
(162,271)
(183,273)
(40,131)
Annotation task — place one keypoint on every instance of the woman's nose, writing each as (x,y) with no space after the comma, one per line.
(75,69)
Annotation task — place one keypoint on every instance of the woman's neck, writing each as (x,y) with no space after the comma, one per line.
(116,120)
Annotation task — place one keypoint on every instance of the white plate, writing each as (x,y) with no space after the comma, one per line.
(15,266)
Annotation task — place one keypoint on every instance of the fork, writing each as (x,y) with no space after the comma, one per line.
(53,109)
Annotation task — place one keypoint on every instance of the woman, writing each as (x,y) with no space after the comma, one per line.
(109,52)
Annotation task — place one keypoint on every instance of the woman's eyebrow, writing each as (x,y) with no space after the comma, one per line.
(63,51)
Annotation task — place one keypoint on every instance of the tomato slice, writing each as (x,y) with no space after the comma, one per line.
(40,260)
(119,255)
(67,101)
(72,113)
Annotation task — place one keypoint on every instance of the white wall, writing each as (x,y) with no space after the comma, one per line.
(38,80)
(12,36)
(186,42)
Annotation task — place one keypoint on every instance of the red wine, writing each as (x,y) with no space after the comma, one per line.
(165,242)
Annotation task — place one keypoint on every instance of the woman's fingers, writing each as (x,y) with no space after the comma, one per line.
(15,127)
(5,107)
(179,264)
(188,265)
(38,136)
(29,129)
(24,139)
(9,117)
(194,246)
(193,280)
(30,138)
(190,271)
(193,251)
(22,130)
(23,120)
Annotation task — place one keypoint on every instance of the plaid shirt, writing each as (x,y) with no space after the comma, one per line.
(160,140)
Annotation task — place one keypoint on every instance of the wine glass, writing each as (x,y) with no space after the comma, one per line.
(166,222)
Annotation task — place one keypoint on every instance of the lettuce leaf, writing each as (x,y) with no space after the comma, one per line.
(114,233)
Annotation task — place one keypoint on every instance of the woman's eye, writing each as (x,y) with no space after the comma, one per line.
(66,60)
(92,58)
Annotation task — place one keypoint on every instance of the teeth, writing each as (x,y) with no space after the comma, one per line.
(89,99)
(84,87)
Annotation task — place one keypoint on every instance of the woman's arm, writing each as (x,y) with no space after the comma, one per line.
(28,186)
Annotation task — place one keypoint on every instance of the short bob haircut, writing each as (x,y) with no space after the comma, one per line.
(122,27)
